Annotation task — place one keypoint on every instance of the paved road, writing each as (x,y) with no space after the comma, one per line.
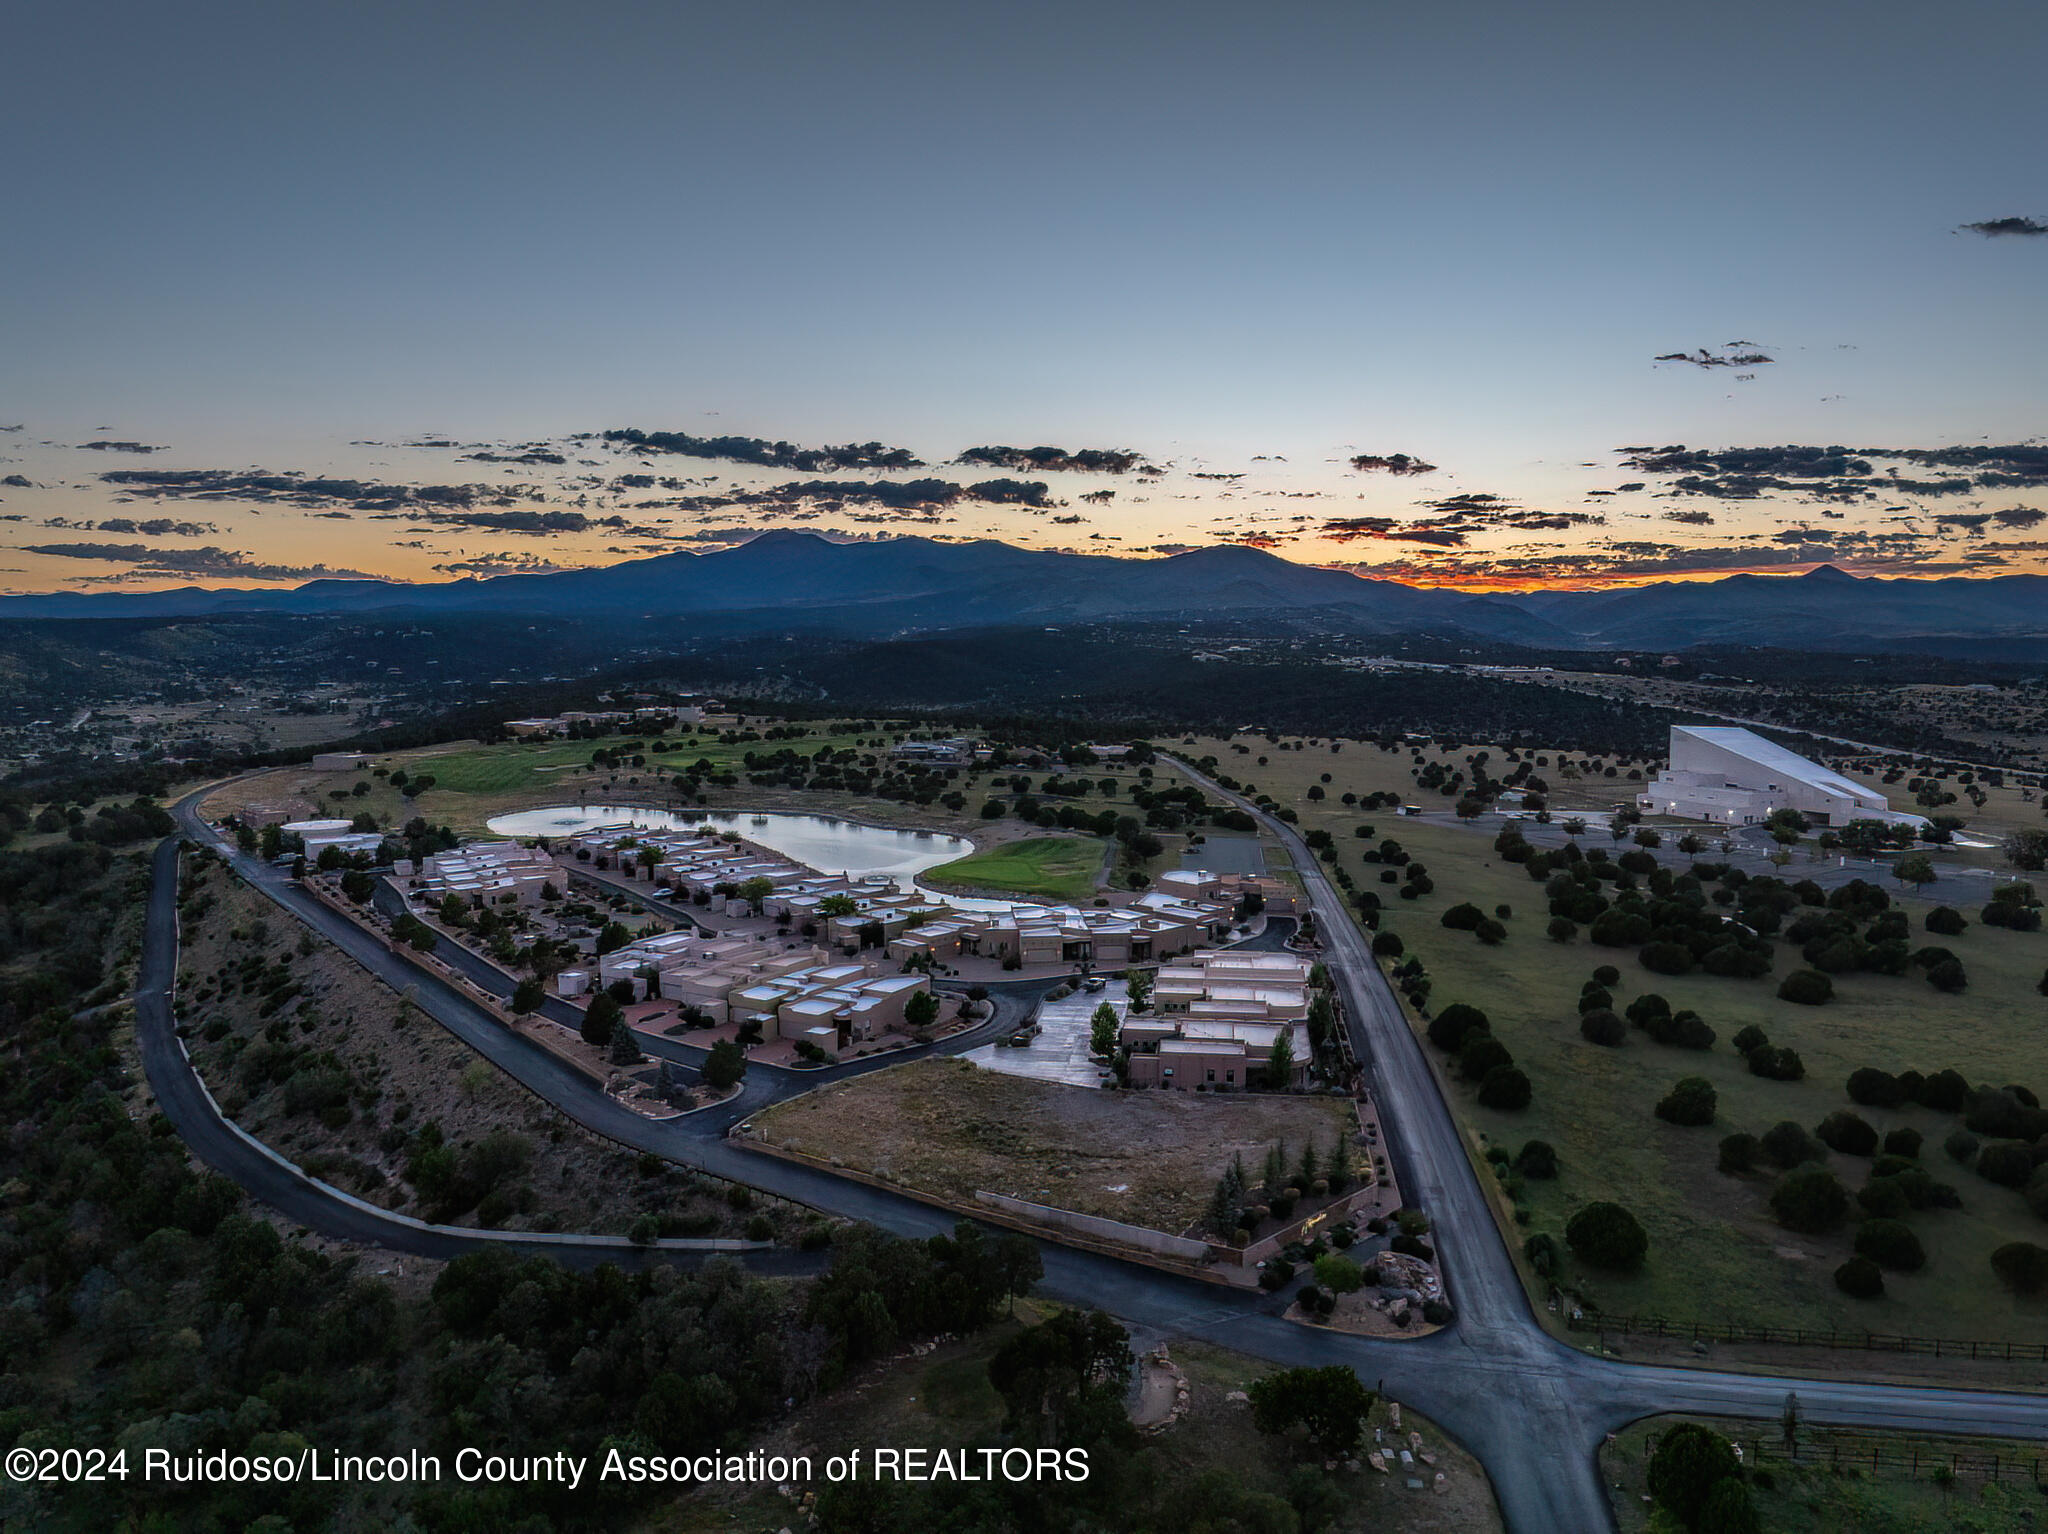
(1531,1409)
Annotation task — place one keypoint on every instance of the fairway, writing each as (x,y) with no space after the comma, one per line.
(1057,867)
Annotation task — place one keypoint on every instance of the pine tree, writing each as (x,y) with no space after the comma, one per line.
(625,1047)
(1276,1167)
(665,1083)
(1338,1167)
(1309,1166)
(1223,1205)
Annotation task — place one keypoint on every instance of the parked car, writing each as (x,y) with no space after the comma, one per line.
(1095,983)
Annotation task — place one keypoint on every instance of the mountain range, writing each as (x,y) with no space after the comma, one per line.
(798,580)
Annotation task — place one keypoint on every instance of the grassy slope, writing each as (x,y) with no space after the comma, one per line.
(1057,867)
(1715,1252)
(1817,1498)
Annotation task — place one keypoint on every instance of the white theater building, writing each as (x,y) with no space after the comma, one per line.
(1735,777)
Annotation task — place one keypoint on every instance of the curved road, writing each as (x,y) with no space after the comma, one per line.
(1531,1409)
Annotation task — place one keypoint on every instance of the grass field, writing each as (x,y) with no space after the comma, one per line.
(1057,867)
(1715,1252)
(944,1398)
(945,1126)
(1827,1490)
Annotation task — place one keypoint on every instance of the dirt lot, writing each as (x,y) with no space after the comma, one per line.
(321,1061)
(949,1127)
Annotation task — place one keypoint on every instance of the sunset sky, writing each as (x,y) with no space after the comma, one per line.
(1231,240)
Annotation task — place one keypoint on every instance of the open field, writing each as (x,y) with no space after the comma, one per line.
(1056,867)
(944,1126)
(1920,1484)
(1715,1252)
(943,1398)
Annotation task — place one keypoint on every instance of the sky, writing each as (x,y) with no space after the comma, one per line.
(1228,240)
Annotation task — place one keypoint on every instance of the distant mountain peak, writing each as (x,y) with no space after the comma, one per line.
(1828,573)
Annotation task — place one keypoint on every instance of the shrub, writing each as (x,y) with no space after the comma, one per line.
(1543,1253)
(1806,987)
(1681,1030)
(1961,1146)
(1665,958)
(1449,1029)
(1788,1145)
(1647,1007)
(1593,997)
(1751,1037)
(1463,917)
(1562,931)
(1481,1053)
(1738,1153)
(1848,1133)
(1944,1091)
(1339,1275)
(2021,1266)
(1945,921)
(1689,1464)
(1890,1244)
(1537,1159)
(1811,1200)
(1690,1102)
(1491,933)
(1607,975)
(1606,1235)
(1873,1088)
(1860,1278)
(1884,1198)
(1505,1088)
(1948,976)
(1602,1027)
(2009,1163)
(1776,1064)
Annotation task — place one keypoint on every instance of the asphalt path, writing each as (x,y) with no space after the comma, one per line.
(1532,1410)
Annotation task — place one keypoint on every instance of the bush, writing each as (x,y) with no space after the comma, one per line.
(1537,1159)
(1738,1154)
(1602,1027)
(1481,1053)
(1810,1200)
(1903,1142)
(1945,921)
(1890,1244)
(1607,975)
(1776,1064)
(1789,1145)
(1605,1235)
(2021,1266)
(1681,1030)
(1449,1029)
(1807,987)
(1691,1102)
(1686,1469)
(1664,958)
(1961,1146)
(1646,1008)
(1884,1198)
(1870,1087)
(1944,1092)
(2009,1163)
(1543,1253)
(1848,1133)
(1505,1088)
(1948,976)
(1860,1278)
(1751,1037)
(1339,1275)
(1463,917)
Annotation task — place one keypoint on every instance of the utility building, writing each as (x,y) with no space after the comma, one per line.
(1735,777)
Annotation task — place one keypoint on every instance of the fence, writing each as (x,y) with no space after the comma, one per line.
(1787,1336)
(1876,1457)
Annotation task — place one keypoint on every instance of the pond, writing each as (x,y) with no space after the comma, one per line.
(823,842)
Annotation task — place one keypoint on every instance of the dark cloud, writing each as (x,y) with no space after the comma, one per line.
(502,564)
(1391,463)
(151,561)
(308,491)
(121,447)
(2020,517)
(1706,357)
(1691,518)
(757,450)
(535,455)
(1044,460)
(1991,228)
